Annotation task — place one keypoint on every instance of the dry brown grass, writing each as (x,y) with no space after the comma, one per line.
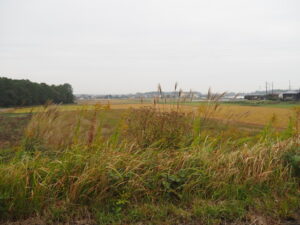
(165,156)
(56,129)
(252,115)
(242,114)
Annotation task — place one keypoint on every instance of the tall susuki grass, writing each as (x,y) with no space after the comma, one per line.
(160,166)
(56,130)
(149,127)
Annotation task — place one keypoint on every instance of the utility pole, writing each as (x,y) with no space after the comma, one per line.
(272,87)
(290,85)
(266,88)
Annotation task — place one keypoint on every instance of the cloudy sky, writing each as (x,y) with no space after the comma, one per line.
(118,46)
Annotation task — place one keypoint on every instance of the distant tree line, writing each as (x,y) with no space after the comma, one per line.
(26,93)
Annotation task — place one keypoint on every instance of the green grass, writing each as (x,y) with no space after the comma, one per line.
(148,166)
(12,128)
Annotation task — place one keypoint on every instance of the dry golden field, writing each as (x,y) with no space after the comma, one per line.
(234,113)
(248,115)
(255,115)
(251,115)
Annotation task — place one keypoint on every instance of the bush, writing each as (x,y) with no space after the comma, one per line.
(292,158)
(149,126)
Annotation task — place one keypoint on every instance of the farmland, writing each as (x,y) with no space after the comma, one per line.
(256,115)
(127,162)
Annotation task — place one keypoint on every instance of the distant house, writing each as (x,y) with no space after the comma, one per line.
(255,97)
(291,96)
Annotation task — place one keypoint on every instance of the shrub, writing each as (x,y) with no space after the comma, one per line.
(292,157)
(150,126)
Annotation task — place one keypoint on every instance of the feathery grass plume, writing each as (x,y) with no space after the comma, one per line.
(93,124)
(209,109)
(180,93)
(184,98)
(209,94)
(179,99)
(160,92)
(236,96)
(175,91)
(161,96)
(191,95)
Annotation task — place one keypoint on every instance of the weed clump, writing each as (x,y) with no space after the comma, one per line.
(150,127)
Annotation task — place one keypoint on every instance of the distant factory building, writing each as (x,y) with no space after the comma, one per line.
(291,96)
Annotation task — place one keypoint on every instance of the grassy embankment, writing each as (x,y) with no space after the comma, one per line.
(157,165)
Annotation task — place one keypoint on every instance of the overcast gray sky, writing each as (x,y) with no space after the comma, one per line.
(118,46)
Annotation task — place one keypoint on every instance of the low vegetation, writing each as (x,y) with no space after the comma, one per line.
(12,127)
(151,165)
